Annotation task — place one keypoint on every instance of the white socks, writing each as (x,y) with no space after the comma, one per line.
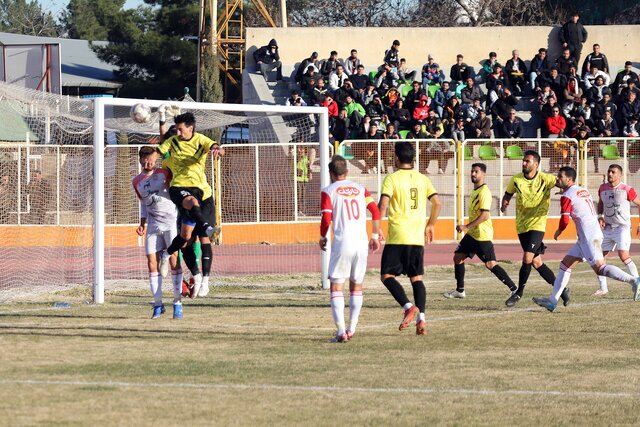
(631,266)
(615,273)
(337,309)
(407,306)
(562,278)
(355,305)
(176,281)
(155,283)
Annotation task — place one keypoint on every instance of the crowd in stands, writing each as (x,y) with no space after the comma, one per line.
(566,99)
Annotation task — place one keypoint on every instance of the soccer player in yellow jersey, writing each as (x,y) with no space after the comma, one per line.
(532,207)
(190,190)
(404,194)
(479,235)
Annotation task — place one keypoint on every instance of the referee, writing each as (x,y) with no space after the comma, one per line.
(404,194)
(532,207)
(479,235)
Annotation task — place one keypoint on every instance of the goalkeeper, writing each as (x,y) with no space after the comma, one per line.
(190,191)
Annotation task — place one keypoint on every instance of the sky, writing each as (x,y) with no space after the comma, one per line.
(57,6)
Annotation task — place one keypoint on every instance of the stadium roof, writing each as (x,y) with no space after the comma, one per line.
(80,65)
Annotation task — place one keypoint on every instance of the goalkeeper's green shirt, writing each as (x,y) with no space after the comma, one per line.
(188,160)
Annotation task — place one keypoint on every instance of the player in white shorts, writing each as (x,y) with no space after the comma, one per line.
(159,214)
(576,203)
(614,215)
(343,205)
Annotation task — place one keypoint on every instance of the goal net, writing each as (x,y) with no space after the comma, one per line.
(66,162)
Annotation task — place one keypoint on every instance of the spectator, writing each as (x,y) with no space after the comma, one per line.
(6,193)
(488,66)
(580,111)
(572,93)
(605,104)
(400,116)
(503,106)
(557,81)
(355,112)
(544,94)
(431,73)
(307,78)
(390,132)
(565,61)
(556,124)
(40,194)
(436,150)
(459,72)
(595,59)
(359,80)
(352,63)
(471,111)
(583,133)
(606,127)
(390,98)
(392,57)
(294,99)
(330,65)
(547,110)
(305,64)
(267,59)
(331,106)
(481,126)
(318,93)
(494,93)
(452,111)
(347,89)
(341,128)
(404,73)
(631,128)
(375,109)
(421,112)
(470,92)
(369,93)
(573,74)
(368,151)
(573,35)
(337,77)
(413,97)
(496,76)
(631,87)
(433,125)
(441,97)
(591,76)
(516,70)
(385,79)
(539,66)
(623,77)
(512,126)
(458,130)
(595,92)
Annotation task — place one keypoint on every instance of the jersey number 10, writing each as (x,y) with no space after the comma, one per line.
(353,209)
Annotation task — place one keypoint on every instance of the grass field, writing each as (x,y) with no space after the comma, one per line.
(263,356)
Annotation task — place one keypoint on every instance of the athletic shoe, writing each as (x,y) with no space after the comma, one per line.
(421,327)
(213,232)
(565,296)
(409,315)
(545,302)
(340,338)
(635,287)
(177,311)
(194,285)
(164,264)
(204,290)
(350,335)
(513,299)
(599,293)
(158,311)
(454,294)
(185,288)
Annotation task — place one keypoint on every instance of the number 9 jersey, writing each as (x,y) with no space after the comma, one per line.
(408,191)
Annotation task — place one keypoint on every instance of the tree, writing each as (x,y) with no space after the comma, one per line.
(91,19)
(26,17)
(348,13)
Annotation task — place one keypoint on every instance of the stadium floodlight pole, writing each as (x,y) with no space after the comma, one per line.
(98,201)
(323,136)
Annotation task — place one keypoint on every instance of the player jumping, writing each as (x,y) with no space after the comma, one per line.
(479,235)
(158,214)
(532,207)
(343,205)
(190,190)
(614,215)
(576,203)
(405,193)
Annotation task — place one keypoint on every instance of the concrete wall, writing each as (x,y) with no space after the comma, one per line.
(620,43)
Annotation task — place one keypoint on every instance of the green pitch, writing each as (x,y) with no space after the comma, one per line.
(262,356)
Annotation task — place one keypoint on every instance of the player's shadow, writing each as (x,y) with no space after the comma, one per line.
(61,316)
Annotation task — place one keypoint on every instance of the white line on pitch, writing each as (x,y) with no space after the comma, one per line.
(297,388)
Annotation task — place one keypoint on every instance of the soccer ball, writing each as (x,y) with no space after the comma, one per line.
(140,113)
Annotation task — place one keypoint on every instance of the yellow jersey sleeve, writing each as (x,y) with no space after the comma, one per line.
(207,143)
(549,180)
(430,190)
(511,187)
(165,146)
(387,186)
(484,199)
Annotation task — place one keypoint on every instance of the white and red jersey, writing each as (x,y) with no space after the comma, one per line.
(616,203)
(344,204)
(577,203)
(155,203)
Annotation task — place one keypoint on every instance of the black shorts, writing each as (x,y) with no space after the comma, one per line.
(178,194)
(209,212)
(471,247)
(403,259)
(531,241)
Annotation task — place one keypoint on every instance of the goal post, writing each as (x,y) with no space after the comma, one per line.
(112,113)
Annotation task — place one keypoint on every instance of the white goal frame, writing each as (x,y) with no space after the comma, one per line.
(99,167)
